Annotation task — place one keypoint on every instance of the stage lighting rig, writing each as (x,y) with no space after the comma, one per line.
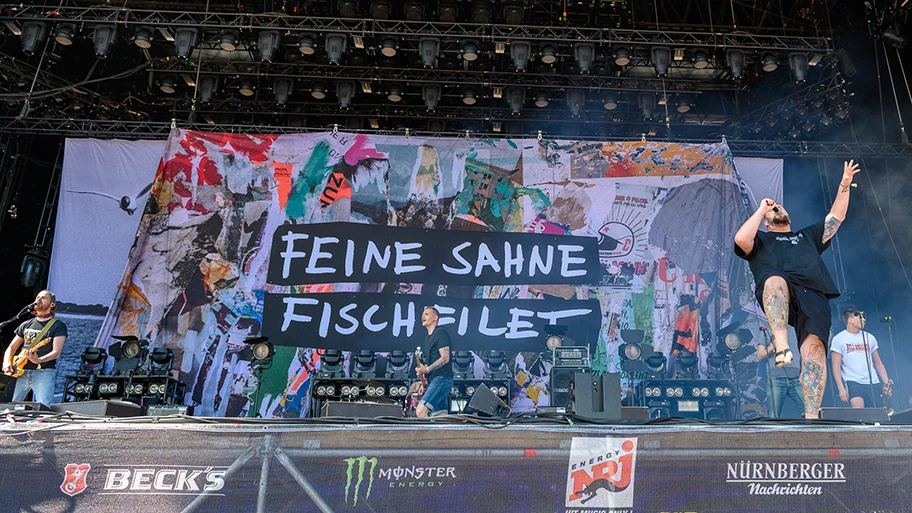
(267,44)
(686,365)
(129,354)
(160,360)
(282,88)
(184,41)
(516,97)
(700,58)
(397,364)
(32,34)
(584,53)
(481,11)
(661,59)
(331,364)
(520,52)
(495,365)
(447,11)
(428,48)
(798,64)
(307,43)
(336,44)
(65,34)
(364,365)
(345,91)
(228,40)
(431,94)
(380,9)
(463,365)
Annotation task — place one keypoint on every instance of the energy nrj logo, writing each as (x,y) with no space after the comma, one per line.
(601,473)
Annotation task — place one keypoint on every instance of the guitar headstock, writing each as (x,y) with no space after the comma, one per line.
(418,354)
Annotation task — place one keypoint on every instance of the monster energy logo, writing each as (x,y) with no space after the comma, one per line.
(361,462)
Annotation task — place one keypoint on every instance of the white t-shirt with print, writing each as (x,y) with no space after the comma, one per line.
(855,359)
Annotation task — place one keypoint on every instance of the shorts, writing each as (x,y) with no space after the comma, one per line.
(809,312)
(437,396)
(872,394)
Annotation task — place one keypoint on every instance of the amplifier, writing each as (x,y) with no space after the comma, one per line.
(902,416)
(100,408)
(634,413)
(867,415)
(7,385)
(570,356)
(163,410)
(361,410)
(23,406)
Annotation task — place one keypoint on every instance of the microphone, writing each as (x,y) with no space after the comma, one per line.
(887,318)
(776,210)
(33,305)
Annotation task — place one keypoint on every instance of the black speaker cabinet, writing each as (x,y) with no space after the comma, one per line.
(855,414)
(486,401)
(902,416)
(163,410)
(100,408)
(597,397)
(23,406)
(360,410)
(562,386)
(7,385)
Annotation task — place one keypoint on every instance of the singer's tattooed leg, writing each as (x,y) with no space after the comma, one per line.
(813,375)
(775,304)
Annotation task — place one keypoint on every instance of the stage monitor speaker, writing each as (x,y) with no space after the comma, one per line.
(360,410)
(7,386)
(23,406)
(100,408)
(486,401)
(855,414)
(597,397)
(634,413)
(163,410)
(562,386)
(902,416)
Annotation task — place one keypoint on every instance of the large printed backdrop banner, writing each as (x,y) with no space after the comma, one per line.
(662,215)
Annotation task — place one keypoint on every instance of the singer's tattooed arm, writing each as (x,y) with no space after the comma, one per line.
(829,227)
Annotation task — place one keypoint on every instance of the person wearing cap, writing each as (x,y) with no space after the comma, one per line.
(857,364)
(43,338)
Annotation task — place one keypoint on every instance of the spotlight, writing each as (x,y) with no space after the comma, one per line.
(331,364)
(516,96)
(397,366)
(769,61)
(228,40)
(661,58)
(103,39)
(700,58)
(647,104)
(611,101)
(470,50)
(575,101)
(160,361)
(129,354)
(318,91)
(347,8)
(307,43)
(167,84)
(686,363)
(463,365)
(481,11)
(495,365)
(389,46)
(33,33)
(65,34)
(247,87)
(345,91)
(798,64)
(93,361)
(469,96)
(735,61)
(143,37)
(655,363)
(520,51)
(282,88)
(381,9)
(413,10)
(394,94)
(184,41)
(622,55)
(431,94)
(683,104)
(548,54)
(335,47)
(513,13)
(630,351)
(365,365)
(259,351)
(428,48)
(447,11)
(584,53)
(894,37)
(541,98)
(207,85)
(267,43)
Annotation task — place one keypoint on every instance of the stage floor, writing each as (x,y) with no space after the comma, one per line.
(61,462)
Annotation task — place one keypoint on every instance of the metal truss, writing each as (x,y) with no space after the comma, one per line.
(156,130)
(456,31)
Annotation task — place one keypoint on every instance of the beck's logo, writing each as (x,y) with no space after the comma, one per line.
(74,482)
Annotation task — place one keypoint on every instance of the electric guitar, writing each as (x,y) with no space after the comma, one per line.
(414,398)
(887,396)
(21,359)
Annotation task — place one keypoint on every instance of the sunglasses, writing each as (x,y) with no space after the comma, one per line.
(858,314)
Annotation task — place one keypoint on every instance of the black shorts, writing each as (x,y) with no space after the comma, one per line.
(870,393)
(809,312)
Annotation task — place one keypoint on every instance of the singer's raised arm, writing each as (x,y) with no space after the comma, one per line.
(841,203)
(744,237)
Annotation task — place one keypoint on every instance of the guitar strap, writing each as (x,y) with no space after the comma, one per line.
(42,333)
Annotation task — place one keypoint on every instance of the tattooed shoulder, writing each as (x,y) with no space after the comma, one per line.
(830,227)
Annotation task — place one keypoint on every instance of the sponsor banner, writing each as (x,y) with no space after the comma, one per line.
(600,474)
(350,252)
(383,322)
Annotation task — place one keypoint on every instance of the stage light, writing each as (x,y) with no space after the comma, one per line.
(575,101)
(228,40)
(92,361)
(497,92)
(261,351)
(611,102)
(380,9)
(735,61)
(496,126)
(431,94)
(247,87)
(397,365)
(513,12)
(686,363)
(470,50)
(307,43)
(469,96)
(548,54)
(769,62)
(661,59)
(584,53)
(647,103)
(65,34)
(826,120)
(129,354)
(207,86)
(413,10)
(347,8)
(428,48)
(33,33)
(389,46)
(495,364)
(345,91)
(700,58)
(630,351)
(447,11)
(160,360)
(267,43)
(655,363)
(481,11)
(394,94)
(520,51)
(798,64)
(894,37)
(733,341)
(331,364)
(683,104)
(282,88)
(335,47)
(463,365)
(541,98)
(516,97)
(621,55)
(365,365)
(143,37)
(318,90)
(167,84)
(184,41)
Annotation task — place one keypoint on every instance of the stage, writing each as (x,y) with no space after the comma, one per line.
(64,462)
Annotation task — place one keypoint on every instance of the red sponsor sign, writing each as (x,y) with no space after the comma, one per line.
(74,482)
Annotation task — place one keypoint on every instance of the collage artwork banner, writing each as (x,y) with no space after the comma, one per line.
(337,240)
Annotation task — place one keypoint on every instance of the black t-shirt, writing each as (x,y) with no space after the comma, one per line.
(794,256)
(434,342)
(30,329)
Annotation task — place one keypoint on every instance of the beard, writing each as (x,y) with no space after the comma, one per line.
(781,219)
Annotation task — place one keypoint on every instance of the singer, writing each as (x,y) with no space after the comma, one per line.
(793,285)
(44,337)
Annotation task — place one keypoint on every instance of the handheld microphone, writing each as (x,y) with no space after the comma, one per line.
(776,210)
(887,318)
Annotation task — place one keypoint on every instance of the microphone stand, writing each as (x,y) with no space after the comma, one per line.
(890,321)
(14,319)
(868,358)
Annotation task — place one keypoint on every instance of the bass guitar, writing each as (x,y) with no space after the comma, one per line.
(411,402)
(21,359)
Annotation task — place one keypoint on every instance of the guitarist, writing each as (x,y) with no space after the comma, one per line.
(437,368)
(40,368)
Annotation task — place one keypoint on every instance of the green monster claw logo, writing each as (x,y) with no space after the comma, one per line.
(362,462)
